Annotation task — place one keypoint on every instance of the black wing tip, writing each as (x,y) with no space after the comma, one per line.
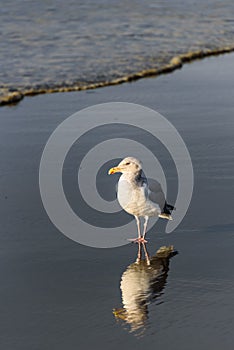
(168,208)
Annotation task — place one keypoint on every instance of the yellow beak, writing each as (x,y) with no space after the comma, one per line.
(114,170)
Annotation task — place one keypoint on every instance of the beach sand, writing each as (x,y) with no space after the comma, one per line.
(57,294)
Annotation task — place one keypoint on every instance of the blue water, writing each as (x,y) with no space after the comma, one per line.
(57,294)
(51,43)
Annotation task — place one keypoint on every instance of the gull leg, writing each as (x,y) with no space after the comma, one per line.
(139,253)
(138,226)
(146,254)
(145,228)
(139,239)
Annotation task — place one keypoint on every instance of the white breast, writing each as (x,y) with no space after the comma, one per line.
(134,199)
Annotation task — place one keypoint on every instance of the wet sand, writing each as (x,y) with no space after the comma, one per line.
(58,294)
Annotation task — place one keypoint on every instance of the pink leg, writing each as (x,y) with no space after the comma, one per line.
(145,228)
(139,239)
(138,227)
(139,253)
(146,254)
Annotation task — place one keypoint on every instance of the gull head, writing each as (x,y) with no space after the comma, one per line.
(128,165)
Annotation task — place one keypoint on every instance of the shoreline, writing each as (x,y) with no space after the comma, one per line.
(177,62)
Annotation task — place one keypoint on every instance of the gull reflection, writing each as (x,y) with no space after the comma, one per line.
(142,283)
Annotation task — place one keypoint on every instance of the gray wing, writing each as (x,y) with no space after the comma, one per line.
(156,193)
(142,182)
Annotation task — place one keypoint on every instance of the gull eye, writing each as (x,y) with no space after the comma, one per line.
(127,163)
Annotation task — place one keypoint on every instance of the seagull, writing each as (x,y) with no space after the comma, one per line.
(139,196)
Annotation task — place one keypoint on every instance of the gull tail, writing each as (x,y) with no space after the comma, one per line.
(166,213)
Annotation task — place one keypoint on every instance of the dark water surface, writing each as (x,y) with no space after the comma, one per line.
(45,44)
(57,294)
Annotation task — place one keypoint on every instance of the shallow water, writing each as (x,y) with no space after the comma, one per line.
(58,294)
(48,44)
